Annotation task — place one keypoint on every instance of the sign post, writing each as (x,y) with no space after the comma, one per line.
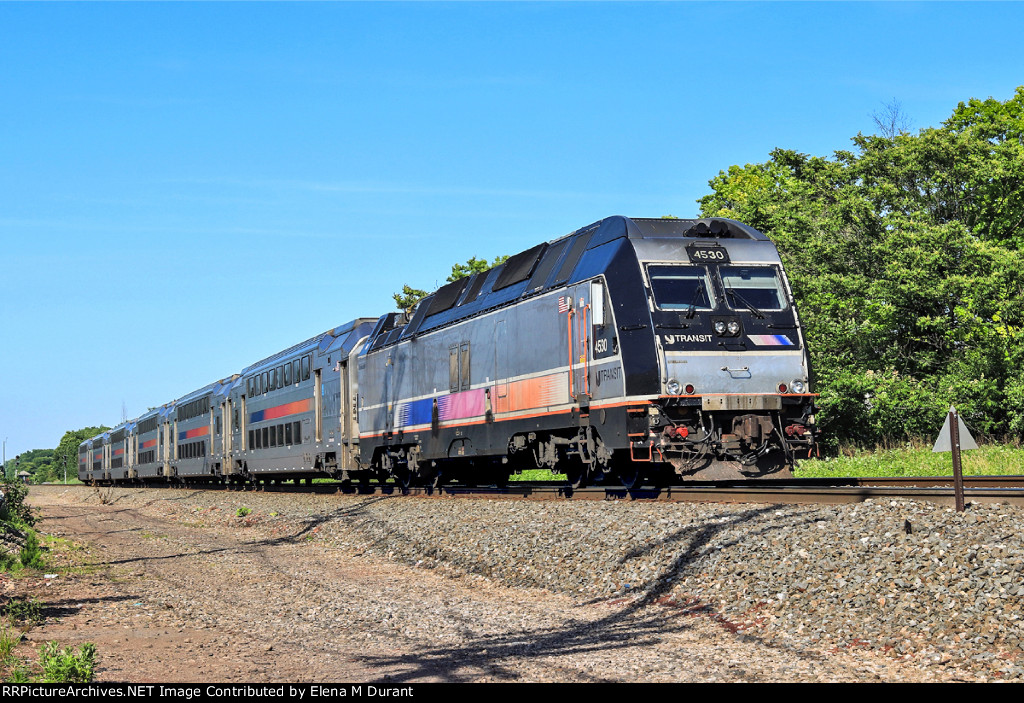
(953,437)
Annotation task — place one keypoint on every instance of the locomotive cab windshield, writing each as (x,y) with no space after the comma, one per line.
(755,288)
(681,288)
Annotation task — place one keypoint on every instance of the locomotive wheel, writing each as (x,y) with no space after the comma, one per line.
(631,474)
(402,476)
(774,465)
(500,476)
(576,474)
(437,480)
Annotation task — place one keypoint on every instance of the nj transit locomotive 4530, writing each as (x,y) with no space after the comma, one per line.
(632,350)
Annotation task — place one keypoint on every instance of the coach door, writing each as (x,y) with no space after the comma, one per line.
(227,428)
(318,402)
(168,435)
(578,333)
(500,402)
(344,415)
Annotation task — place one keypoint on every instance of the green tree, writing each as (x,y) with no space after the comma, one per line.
(408,298)
(65,456)
(905,256)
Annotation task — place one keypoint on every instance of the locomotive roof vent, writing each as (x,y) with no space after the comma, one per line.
(704,228)
(717,228)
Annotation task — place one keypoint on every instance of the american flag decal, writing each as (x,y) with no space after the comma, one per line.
(564,303)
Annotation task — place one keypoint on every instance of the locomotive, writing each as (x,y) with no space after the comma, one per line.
(639,351)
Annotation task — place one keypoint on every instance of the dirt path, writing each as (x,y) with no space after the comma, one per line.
(166,598)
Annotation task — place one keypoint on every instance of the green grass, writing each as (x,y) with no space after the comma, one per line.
(915,459)
(537,475)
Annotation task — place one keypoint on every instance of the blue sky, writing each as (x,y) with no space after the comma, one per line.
(186,188)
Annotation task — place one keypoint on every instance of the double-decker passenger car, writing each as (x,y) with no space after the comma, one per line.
(293,412)
(290,415)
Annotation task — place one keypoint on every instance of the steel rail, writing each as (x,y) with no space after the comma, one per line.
(758,493)
(978,489)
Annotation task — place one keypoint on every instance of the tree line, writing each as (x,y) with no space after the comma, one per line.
(50,465)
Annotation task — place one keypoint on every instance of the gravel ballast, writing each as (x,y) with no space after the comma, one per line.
(913,582)
(908,578)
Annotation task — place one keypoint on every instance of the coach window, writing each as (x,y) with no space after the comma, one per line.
(453,368)
(305,368)
(288,374)
(597,303)
(464,364)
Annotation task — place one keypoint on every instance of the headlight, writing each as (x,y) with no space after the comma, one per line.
(734,327)
(720,327)
(798,387)
(673,387)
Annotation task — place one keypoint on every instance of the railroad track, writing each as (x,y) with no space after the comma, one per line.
(984,489)
(978,489)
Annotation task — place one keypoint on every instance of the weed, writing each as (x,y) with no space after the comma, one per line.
(66,665)
(18,674)
(13,508)
(9,638)
(105,494)
(25,611)
(31,554)
(243,511)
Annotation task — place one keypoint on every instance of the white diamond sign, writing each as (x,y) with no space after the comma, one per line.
(945,444)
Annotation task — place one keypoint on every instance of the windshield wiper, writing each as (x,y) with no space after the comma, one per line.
(697,293)
(745,302)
